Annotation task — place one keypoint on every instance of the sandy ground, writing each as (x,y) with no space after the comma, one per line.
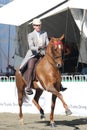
(9,121)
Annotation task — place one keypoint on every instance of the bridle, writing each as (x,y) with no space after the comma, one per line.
(54,58)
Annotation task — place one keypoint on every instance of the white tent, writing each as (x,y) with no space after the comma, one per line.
(52,20)
(71,4)
(19,12)
(79,12)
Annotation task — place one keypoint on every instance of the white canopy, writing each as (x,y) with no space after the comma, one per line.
(70,4)
(18,12)
(75,6)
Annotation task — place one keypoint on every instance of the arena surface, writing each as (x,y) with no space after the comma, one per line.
(10,121)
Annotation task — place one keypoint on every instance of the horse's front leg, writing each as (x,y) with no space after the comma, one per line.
(36,100)
(59,95)
(53,101)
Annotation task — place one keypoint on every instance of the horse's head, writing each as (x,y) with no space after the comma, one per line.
(56,49)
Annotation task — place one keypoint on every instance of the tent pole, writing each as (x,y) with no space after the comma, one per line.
(8,48)
(83,20)
(81,32)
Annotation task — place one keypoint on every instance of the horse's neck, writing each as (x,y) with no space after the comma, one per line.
(49,55)
(49,50)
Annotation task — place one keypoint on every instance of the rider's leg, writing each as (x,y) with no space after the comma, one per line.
(23,69)
(61,87)
(31,65)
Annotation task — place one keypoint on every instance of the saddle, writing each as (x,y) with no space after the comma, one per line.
(25,67)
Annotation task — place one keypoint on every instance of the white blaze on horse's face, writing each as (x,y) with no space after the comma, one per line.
(59,46)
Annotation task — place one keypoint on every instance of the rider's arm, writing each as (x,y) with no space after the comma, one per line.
(31,44)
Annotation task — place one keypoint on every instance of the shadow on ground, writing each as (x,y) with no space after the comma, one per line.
(72,123)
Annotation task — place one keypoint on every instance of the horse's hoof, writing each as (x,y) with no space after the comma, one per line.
(76,128)
(42,117)
(68,112)
(52,124)
(21,121)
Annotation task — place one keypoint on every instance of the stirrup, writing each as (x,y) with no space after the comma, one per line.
(29,92)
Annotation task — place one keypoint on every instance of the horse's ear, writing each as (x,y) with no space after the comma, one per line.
(62,37)
(51,39)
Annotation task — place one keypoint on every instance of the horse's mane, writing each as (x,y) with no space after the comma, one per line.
(49,48)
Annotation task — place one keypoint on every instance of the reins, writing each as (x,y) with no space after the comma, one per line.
(53,58)
(56,57)
(49,60)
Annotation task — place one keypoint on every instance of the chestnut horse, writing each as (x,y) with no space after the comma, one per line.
(48,77)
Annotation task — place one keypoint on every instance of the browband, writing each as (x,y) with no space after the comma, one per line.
(57,42)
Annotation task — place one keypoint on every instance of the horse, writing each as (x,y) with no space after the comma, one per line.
(47,77)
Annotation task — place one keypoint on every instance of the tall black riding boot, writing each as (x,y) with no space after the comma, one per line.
(28,88)
(62,89)
(31,65)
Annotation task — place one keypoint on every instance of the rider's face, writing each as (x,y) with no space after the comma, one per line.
(37,27)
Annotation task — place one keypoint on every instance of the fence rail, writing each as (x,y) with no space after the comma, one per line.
(7,79)
(65,78)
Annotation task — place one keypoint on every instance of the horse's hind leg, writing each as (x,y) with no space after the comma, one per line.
(36,100)
(53,101)
(20,102)
(20,88)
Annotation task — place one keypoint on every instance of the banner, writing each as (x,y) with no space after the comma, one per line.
(75,97)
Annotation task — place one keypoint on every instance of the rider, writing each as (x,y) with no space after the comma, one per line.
(37,41)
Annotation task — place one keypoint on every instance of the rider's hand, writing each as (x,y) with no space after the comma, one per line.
(41,47)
